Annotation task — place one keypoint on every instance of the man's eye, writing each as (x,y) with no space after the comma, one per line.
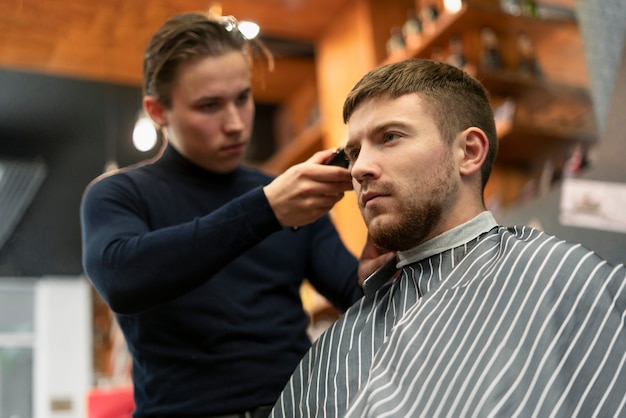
(389,137)
(353,155)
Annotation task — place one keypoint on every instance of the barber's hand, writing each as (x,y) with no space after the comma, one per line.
(372,258)
(306,191)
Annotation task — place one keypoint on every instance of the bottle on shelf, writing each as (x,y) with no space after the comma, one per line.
(395,43)
(412,29)
(527,63)
(490,58)
(428,17)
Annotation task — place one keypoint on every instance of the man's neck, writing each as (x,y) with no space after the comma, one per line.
(451,238)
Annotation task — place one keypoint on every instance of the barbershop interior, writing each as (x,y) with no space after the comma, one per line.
(71,110)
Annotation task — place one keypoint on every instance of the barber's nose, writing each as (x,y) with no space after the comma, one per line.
(232,119)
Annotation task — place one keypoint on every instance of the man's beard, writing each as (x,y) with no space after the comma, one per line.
(417,217)
(410,230)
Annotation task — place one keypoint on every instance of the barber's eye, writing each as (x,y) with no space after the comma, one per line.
(243,98)
(209,106)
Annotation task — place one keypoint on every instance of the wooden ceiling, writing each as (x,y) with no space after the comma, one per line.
(104,40)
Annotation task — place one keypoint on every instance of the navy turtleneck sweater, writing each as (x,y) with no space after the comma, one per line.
(205,283)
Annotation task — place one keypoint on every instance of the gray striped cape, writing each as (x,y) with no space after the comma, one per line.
(511,323)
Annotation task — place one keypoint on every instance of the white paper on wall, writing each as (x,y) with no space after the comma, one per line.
(593,204)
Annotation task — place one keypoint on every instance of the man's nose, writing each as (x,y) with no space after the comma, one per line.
(363,167)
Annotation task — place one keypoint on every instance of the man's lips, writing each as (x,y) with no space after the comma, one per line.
(369,197)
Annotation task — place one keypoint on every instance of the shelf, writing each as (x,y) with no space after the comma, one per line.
(514,83)
(556,40)
(447,25)
(471,18)
(525,146)
(547,122)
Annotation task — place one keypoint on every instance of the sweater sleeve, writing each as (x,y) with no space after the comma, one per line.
(333,269)
(134,268)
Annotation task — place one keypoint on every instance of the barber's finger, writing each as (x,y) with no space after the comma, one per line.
(331,187)
(321,156)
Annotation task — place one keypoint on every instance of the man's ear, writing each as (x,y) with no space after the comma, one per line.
(155,111)
(476,146)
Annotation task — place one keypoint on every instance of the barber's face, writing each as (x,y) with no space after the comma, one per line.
(212,112)
(403,172)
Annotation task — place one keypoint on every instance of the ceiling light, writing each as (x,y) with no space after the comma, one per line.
(453,6)
(248,29)
(144,134)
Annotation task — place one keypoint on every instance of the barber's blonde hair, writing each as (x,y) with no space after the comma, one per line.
(192,36)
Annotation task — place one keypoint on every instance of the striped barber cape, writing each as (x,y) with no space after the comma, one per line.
(484,321)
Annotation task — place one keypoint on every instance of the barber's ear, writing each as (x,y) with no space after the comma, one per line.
(155,111)
(475,145)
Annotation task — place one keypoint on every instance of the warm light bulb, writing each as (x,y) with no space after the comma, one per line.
(144,134)
(452,6)
(215,9)
(248,29)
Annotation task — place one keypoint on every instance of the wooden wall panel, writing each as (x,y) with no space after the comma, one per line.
(105,40)
(350,47)
(347,40)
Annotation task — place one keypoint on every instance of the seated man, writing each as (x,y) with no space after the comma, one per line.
(484,320)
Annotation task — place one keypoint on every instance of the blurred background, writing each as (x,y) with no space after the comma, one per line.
(70,98)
